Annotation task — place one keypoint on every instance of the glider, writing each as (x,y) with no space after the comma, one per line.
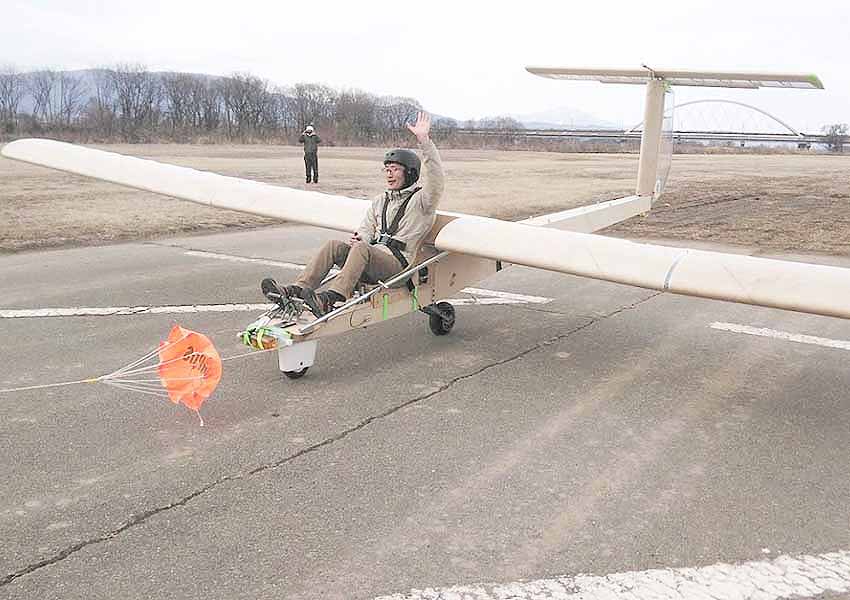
(462,249)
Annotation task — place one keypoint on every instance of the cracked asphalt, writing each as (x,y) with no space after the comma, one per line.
(606,431)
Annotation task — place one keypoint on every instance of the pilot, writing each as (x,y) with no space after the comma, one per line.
(311,143)
(389,237)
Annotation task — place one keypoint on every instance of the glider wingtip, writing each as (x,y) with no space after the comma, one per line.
(16,148)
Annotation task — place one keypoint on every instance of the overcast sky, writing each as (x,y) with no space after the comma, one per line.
(460,59)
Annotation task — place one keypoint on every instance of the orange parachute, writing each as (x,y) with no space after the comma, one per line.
(189,367)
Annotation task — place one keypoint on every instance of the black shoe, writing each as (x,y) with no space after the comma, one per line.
(277,294)
(319,304)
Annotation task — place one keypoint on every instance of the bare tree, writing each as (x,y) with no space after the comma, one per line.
(70,95)
(235,96)
(41,85)
(836,136)
(261,110)
(208,105)
(179,93)
(396,112)
(281,111)
(102,109)
(137,93)
(12,91)
(312,103)
(249,106)
(500,123)
(356,117)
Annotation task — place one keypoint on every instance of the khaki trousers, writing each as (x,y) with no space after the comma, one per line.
(360,261)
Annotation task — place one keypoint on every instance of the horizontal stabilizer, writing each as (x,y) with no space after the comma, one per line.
(816,289)
(300,206)
(730,79)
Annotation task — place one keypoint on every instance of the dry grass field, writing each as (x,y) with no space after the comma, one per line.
(769,203)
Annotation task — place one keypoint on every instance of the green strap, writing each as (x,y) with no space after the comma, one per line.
(414,299)
(386,307)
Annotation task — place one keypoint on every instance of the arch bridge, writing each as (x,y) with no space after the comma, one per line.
(784,133)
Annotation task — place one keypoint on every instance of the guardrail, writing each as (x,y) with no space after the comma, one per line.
(618,135)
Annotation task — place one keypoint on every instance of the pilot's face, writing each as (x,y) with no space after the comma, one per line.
(394,173)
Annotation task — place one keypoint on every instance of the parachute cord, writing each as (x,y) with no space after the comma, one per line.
(252,353)
(135,388)
(149,368)
(148,356)
(50,385)
(116,376)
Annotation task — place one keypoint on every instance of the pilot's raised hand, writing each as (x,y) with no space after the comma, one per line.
(422,127)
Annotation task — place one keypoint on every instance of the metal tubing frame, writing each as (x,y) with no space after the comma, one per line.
(381,286)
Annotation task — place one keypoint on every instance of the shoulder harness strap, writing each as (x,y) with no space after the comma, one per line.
(393,228)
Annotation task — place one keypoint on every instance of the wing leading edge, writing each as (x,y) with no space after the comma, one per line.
(802,287)
(730,79)
(340,213)
(787,285)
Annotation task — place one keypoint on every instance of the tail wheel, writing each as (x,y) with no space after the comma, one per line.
(296,374)
(442,318)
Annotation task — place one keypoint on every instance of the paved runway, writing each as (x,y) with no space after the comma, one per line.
(611,429)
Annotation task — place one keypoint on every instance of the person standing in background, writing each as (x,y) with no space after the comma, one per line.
(311,143)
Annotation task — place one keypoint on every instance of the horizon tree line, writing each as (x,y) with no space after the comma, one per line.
(130,103)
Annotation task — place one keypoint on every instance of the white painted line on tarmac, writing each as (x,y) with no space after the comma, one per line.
(783,577)
(493,296)
(108,311)
(782,335)
(507,296)
(480,297)
(243,259)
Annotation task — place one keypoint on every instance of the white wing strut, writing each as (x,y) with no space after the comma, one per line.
(816,289)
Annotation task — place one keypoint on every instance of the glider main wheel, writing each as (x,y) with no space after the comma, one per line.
(296,374)
(442,319)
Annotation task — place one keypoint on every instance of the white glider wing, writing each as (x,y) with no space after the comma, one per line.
(803,287)
(795,286)
(340,213)
(733,79)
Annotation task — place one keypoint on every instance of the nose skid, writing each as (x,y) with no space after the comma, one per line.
(294,358)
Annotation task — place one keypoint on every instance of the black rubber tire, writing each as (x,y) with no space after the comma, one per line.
(441,325)
(296,374)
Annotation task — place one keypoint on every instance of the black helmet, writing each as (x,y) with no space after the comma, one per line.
(409,160)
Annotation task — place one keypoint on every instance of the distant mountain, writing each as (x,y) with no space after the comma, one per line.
(564,118)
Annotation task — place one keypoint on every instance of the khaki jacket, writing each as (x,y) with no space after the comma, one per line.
(421,211)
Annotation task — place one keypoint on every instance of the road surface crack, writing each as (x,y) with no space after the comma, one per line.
(138,519)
